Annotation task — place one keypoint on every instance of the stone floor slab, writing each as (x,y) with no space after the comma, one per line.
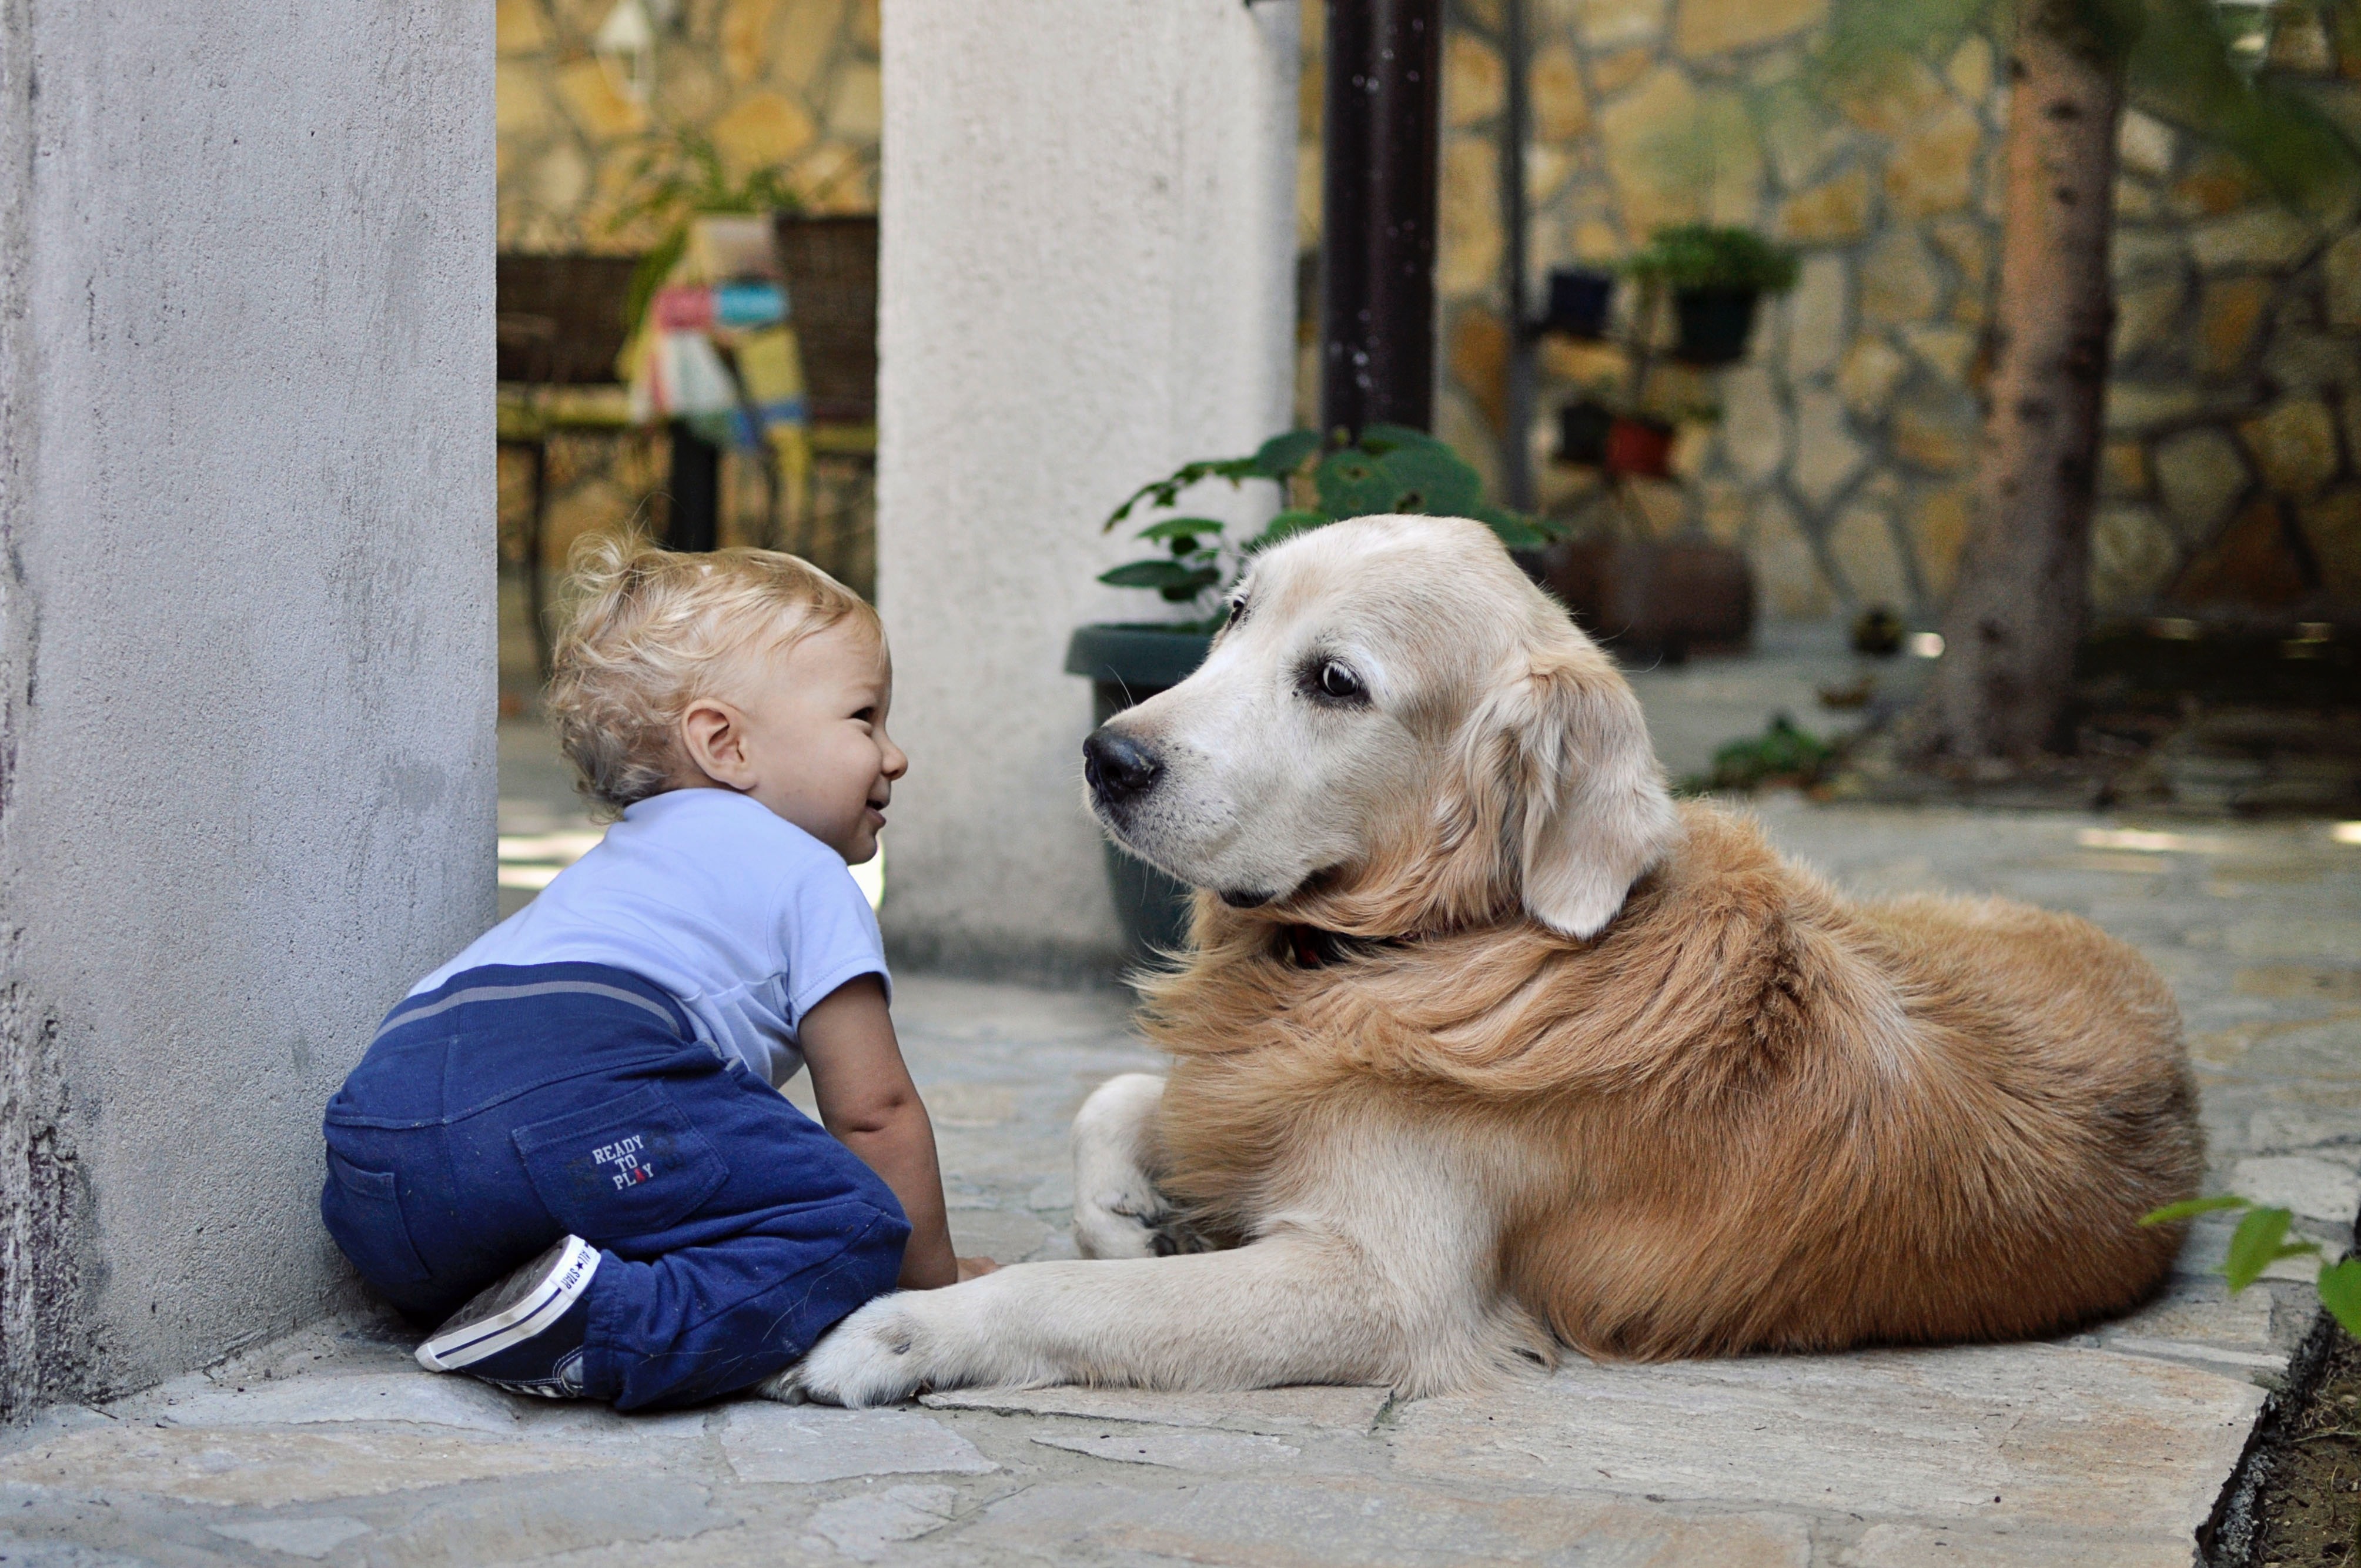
(1266,1410)
(767,1442)
(30,1552)
(523,1520)
(272,1466)
(863,1526)
(312,1537)
(1930,1546)
(1176,1449)
(1354,1521)
(2066,1437)
(442,1401)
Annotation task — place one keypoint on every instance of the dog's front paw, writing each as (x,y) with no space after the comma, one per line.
(876,1356)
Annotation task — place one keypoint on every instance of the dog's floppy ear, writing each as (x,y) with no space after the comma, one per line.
(1591,813)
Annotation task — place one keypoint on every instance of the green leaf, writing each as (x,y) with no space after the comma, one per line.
(1180,528)
(1283,455)
(1159,574)
(1287,525)
(2188,1208)
(1432,479)
(1706,256)
(1377,440)
(2183,68)
(1352,485)
(2255,1246)
(1181,592)
(1165,491)
(2340,1293)
(1515,531)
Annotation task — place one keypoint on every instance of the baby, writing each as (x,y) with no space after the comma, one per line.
(565,1143)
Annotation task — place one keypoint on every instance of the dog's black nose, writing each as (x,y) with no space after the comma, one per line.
(1118,768)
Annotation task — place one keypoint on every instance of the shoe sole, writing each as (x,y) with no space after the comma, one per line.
(455,1349)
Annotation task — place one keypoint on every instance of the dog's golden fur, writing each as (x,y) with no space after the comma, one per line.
(1750,1115)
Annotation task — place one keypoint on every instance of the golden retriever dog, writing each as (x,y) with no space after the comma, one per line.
(1483,1046)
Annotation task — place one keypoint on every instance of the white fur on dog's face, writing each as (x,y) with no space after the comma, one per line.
(1371,669)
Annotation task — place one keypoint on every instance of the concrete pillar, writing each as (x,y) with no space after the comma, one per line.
(1087,279)
(246,641)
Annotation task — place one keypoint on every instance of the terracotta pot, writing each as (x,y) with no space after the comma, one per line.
(1641,448)
(1654,598)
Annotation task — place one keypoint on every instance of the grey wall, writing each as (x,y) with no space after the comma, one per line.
(1087,279)
(246,775)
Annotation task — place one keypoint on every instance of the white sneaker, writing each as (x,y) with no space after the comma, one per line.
(525,1332)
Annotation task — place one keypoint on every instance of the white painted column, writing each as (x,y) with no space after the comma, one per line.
(246,641)
(1087,279)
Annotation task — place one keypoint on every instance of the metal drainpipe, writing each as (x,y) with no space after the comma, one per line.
(1517,414)
(1377,252)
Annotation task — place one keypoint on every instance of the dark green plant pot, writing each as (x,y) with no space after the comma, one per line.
(1715,323)
(1582,428)
(1127,664)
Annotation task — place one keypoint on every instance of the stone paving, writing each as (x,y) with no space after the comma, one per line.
(2108,1448)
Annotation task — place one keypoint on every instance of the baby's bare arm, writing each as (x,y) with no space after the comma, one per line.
(868,1102)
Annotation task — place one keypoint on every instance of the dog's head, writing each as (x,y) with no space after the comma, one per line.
(1395,731)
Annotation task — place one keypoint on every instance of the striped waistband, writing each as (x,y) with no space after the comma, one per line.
(427,1007)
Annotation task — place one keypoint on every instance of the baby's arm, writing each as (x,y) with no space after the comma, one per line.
(868,1102)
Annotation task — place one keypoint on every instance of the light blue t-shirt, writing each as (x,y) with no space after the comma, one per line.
(745,918)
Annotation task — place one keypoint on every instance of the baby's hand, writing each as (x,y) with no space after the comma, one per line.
(975,1268)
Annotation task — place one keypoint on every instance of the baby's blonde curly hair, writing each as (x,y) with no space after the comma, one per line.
(653,631)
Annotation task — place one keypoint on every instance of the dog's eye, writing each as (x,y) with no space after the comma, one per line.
(1340,683)
(1238,611)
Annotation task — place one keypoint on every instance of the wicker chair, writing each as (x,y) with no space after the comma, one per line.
(830,264)
(561,324)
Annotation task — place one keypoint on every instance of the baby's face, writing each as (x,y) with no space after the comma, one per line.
(816,736)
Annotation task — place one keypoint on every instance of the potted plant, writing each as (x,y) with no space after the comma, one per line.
(1578,301)
(1582,428)
(1639,446)
(1195,563)
(1717,277)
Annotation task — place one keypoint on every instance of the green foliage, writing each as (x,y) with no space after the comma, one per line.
(1390,469)
(2340,1291)
(2260,1240)
(2185,67)
(1783,754)
(2193,63)
(1703,256)
(680,175)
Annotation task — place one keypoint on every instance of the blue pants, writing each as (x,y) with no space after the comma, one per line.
(514,1105)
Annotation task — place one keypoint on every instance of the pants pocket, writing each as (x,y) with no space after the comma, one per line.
(626,1167)
(362,1210)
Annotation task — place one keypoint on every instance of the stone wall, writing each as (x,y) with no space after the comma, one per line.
(1842,457)
(246,771)
(785,84)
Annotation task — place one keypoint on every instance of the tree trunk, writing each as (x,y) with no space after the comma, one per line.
(2017,614)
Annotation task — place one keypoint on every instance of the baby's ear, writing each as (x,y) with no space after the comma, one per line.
(713,738)
(1594,811)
